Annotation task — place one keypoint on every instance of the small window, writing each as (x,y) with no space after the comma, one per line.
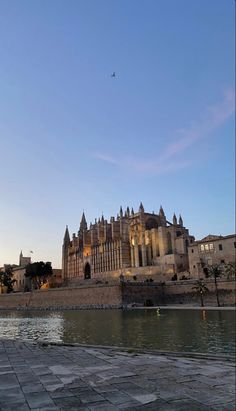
(220,247)
(206,247)
(192,250)
(202,247)
(222,261)
(211,246)
(194,266)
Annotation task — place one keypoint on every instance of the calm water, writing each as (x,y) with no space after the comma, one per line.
(173,330)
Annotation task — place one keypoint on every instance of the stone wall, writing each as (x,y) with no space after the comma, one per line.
(114,296)
(178,292)
(84,297)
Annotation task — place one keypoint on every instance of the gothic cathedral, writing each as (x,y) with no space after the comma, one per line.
(137,245)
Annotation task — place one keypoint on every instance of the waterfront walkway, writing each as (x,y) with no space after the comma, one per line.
(58,377)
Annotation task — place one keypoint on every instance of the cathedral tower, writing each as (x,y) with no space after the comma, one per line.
(66,243)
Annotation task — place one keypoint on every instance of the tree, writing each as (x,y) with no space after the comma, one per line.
(38,272)
(230,270)
(201,288)
(6,279)
(216,271)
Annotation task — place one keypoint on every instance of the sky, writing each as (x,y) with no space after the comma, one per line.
(73,138)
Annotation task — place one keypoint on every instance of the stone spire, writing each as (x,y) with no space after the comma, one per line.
(66,236)
(128,211)
(141,208)
(121,211)
(174,219)
(83,223)
(132,211)
(180,220)
(161,212)
(20,258)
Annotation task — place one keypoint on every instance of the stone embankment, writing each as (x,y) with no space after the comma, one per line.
(46,377)
(120,295)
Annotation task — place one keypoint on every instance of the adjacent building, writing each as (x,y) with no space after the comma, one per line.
(213,249)
(133,244)
(21,283)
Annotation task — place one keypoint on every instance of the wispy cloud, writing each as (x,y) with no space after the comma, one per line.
(167,161)
(105,157)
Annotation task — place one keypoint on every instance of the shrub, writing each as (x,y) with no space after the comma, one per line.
(148,303)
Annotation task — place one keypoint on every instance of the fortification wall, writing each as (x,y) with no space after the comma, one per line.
(114,296)
(178,292)
(85,296)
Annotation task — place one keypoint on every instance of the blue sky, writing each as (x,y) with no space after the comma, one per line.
(72,138)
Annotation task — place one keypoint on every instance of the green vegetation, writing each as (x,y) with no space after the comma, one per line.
(38,272)
(216,271)
(201,289)
(230,270)
(6,279)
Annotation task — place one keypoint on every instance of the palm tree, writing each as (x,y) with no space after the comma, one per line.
(216,271)
(201,288)
(230,270)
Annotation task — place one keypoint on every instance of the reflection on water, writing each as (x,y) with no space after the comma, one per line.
(174,330)
(31,326)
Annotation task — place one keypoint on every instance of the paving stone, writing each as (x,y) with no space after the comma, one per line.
(8,381)
(102,406)
(39,400)
(117,397)
(16,406)
(85,378)
(28,388)
(26,377)
(47,409)
(90,397)
(224,407)
(69,403)
(156,405)
(61,394)
(188,405)
(107,388)
(49,379)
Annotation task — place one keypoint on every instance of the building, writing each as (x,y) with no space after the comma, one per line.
(21,283)
(213,249)
(138,245)
(55,280)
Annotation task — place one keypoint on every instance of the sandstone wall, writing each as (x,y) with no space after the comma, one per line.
(178,292)
(114,296)
(86,296)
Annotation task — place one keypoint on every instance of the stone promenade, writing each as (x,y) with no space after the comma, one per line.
(53,377)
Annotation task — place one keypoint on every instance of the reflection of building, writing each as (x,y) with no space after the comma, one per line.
(211,250)
(128,244)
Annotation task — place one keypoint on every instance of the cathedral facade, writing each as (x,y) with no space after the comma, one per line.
(134,245)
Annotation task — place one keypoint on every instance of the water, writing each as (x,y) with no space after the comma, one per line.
(172,330)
